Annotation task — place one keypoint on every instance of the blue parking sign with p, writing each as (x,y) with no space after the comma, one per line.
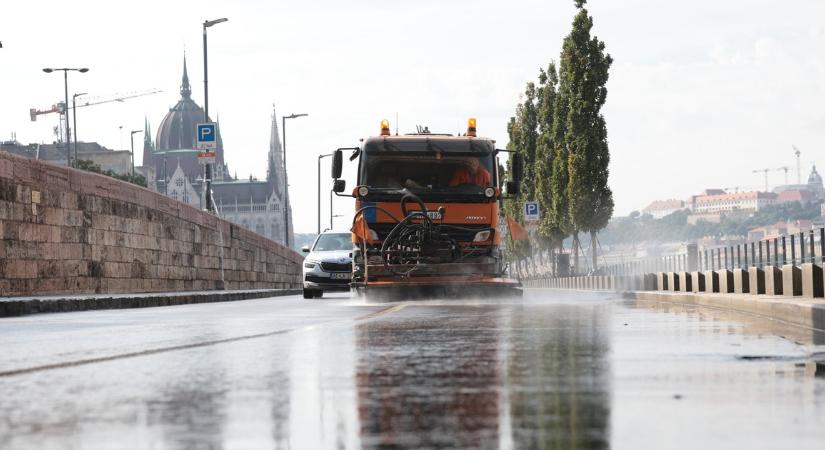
(531,211)
(207,136)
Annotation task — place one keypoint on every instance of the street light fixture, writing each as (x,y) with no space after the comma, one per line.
(66,71)
(208,174)
(74,120)
(132,138)
(286,192)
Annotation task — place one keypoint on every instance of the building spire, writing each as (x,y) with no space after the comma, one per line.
(274,172)
(185,89)
(147,134)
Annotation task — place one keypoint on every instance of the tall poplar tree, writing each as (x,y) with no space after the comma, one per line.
(584,71)
(548,82)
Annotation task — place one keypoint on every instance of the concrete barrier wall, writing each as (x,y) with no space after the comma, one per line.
(807,281)
(70,231)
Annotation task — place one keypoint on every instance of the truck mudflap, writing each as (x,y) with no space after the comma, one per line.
(436,287)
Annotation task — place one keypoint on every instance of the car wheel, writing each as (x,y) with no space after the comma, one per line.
(319,294)
(309,293)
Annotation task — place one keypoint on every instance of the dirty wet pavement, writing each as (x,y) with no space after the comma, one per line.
(552,370)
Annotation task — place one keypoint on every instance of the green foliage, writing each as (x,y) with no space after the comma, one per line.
(584,73)
(547,96)
(90,166)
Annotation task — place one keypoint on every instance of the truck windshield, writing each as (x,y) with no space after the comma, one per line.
(465,173)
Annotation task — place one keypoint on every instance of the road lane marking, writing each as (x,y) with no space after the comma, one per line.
(383,312)
(154,351)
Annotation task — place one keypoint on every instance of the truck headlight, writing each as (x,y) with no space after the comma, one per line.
(363,191)
(489,192)
(482,236)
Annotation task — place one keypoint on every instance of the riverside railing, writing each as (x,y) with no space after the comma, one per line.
(794,249)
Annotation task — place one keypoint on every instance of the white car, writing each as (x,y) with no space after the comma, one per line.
(328,265)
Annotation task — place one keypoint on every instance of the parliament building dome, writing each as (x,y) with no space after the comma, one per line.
(177,130)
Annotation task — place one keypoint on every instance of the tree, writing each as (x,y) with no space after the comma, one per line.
(548,82)
(583,77)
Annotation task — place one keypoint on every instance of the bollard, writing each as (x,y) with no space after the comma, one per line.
(741,280)
(685,282)
(773,280)
(673,281)
(791,280)
(697,281)
(661,281)
(650,282)
(812,281)
(756,278)
(711,281)
(725,281)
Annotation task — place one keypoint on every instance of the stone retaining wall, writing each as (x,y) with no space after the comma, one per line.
(65,231)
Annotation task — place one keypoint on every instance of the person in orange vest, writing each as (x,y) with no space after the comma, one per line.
(471,173)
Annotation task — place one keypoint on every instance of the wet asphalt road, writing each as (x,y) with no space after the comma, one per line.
(553,370)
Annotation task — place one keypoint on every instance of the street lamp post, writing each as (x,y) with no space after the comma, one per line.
(74,120)
(66,71)
(319,190)
(286,193)
(208,175)
(132,138)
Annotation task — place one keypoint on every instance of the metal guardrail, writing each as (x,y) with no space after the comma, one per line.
(794,249)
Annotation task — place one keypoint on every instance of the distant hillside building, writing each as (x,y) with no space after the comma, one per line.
(662,208)
(740,201)
(171,161)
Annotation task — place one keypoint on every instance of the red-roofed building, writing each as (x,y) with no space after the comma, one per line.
(795,196)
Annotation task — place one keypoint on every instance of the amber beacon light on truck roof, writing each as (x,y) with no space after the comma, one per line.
(471,127)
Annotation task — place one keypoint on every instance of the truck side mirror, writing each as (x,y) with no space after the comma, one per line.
(513,187)
(337,164)
(517,167)
(338,186)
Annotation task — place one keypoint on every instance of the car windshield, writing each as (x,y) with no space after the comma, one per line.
(332,242)
(435,171)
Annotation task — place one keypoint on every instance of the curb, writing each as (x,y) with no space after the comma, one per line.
(808,314)
(21,306)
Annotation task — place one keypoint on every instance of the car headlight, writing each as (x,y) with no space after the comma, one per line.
(309,265)
(482,236)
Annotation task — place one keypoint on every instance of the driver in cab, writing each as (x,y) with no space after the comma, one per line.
(471,173)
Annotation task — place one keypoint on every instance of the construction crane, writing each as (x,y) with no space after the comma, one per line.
(798,164)
(61,108)
(765,171)
(784,168)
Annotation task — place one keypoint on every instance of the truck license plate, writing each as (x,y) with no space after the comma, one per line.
(340,275)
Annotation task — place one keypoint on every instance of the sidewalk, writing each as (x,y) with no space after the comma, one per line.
(20,306)
(807,313)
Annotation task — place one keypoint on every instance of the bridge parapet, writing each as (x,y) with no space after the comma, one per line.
(66,231)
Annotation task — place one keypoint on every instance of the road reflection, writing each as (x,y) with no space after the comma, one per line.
(491,377)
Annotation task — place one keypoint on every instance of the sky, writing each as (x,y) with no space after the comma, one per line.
(700,95)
